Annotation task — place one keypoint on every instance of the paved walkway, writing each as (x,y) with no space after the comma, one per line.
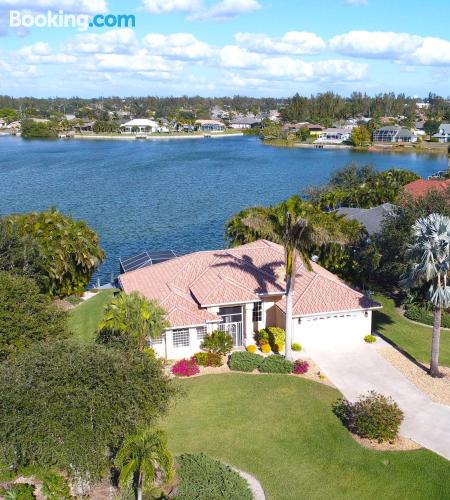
(356,370)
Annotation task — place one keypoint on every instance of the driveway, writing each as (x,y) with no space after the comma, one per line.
(356,370)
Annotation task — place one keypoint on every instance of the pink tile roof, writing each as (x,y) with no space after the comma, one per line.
(422,187)
(186,285)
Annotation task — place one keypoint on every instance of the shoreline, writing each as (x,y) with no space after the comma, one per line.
(153,138)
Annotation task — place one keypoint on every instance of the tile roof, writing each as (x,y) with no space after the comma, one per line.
(186,285)
(421,187)
(370,218)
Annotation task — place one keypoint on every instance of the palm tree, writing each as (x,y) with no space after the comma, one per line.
(131,319)
(142,457)
(430,250)
(298,227)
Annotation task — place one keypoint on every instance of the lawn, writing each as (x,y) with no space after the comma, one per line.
(84,318)
(410,337)
(281,429)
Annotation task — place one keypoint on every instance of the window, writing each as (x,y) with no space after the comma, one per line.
(257,311)
(181,338)
(201,332)
(156,340)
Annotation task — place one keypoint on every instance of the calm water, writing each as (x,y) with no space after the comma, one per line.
(166,195)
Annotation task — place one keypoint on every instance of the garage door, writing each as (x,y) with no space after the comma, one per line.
(333,331)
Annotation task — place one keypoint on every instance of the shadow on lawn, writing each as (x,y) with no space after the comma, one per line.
(380,319)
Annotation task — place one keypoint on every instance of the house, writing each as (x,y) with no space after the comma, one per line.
(240,291)
(209,125)
(444,133)
(334,136)
(139,125)
(86,126)
(245,122)
(294,127)
(314,129)
(370,218)
(421,187)
(394,133)
(2,123)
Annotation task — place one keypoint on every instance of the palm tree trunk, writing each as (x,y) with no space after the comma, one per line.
(288,328)
(435,339)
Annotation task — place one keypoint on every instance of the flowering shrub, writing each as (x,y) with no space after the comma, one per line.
(300,367)
(296,346)
(185,368)
(373,416)
(265,348)
(251,348)
(370,339)
(278,348)
(208,359)
(271,335)
(262,342)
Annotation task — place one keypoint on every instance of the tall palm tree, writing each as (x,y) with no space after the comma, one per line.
(430,250)
(142,457)
(298,227)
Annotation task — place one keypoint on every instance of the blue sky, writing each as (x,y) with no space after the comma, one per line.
(226,47)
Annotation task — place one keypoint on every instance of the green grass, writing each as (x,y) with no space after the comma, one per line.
(84,318)
(412,338)
(282,430)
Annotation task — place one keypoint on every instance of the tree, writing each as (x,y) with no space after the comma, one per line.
(431,127)
(271,132)
(37,130)
(130,319)
(69,250)
(360,136)
(26,316)
(68,406)
(298,228)
(430,253)
(142,456)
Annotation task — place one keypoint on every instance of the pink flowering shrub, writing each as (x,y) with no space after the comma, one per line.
(300,367)
(185,368)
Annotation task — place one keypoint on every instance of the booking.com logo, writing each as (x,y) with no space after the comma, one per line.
(82,22)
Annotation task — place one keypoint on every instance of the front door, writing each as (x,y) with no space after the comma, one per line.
(232,323)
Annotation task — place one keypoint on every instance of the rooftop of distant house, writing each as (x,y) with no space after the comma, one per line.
(421,187)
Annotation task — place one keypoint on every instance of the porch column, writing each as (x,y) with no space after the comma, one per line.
(248,324)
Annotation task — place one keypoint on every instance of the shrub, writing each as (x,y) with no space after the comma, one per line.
(373,416)
(262,342)
(278,348)
(204,478)
(300,367)
(422,315)
(244,361)
(185,368)
(251,348)
(265,348)
(296,347)
(370,339)
(271,335)
(23,491)
(276,364)
(218,342)
(208,359)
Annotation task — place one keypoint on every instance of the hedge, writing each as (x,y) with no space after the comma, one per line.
(424,316)
(244,361)
(276,364)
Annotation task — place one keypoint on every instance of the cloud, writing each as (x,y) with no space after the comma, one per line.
(41,53)
(119,41)
(292,42)
(356,3)
(71,6)
(226,9)
(181,46)
(167,6)
(433,52)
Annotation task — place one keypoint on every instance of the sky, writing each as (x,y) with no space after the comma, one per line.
(271,48)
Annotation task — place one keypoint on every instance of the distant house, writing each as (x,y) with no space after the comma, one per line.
(14,125)
(394,133)
(2,123)
(295,127)
(209,125)
(139,125)
(370,218)
(333,136)
(421,187)
(314,128)
(39,120)
(84,127)
(70,117)
(245,122)
(444,133)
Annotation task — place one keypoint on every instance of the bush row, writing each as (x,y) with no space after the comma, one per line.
(245,361)
(424,316)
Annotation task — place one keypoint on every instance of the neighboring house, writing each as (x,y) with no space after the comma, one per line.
(209,125)
(245,122)
(444,133)
(314,128)
(334,136)
(421,187)
(39,120)
(370,218)
(2,123)
(240,291)
(84,127)
(70,117)
(394,133)
(14,125)
(139,125)
(294,127)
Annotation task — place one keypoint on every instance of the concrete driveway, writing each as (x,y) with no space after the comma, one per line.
(356,370)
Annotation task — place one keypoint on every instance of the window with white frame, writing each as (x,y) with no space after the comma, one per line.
(156,340)
(181,337)
(201,332)
(257,311)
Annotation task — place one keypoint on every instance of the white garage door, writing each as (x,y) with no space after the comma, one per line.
(333,331)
